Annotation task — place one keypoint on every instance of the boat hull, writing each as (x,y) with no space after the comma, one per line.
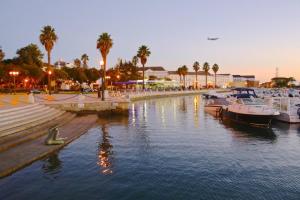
(252,120)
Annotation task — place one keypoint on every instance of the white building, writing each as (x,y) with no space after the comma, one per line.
(243,78)
(157,71)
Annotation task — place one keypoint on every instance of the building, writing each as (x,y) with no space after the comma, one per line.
(155,72)
(243,81)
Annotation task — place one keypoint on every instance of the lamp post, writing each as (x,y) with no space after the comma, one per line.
(49,81)
(102,90)
(14,74)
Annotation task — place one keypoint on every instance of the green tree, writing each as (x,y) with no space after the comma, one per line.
(143,53)
(215,68)
(85,59)
(135,60)
(179,72)
(30,55)
(196,67)
(77,62)
(104,44)
(2,54)
(206,69)
(184,73)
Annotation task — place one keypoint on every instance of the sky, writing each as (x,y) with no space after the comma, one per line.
(256,36)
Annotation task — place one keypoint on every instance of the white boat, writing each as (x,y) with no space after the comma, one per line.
(244,107)
(289,108)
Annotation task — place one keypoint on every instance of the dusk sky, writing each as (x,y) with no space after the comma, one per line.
(255,36)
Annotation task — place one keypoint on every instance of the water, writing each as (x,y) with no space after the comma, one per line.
(166,149)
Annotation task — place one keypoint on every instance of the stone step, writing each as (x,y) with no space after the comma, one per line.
(23,114)
(11,110)
(23,118)
(23,125)
(32,133)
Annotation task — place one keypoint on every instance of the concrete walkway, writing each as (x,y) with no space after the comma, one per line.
(26,153)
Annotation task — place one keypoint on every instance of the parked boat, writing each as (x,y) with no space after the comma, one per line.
(289,108)
(245,108)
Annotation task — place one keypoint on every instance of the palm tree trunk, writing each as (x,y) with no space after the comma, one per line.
(184,81)
(206,80)
(104,78)
(196,81)
(143,76)
(49,78)
(215,80)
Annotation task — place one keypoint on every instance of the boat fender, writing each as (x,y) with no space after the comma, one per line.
(298,112)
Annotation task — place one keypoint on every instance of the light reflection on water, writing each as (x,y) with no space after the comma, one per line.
(167,149)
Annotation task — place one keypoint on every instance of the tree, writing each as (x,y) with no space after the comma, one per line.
(30,55)
(85,59)
(179,72)
(143,53)
(206,69)
(104,44)
(77,62)
(2,54)
(48,38)
(184,73)
(215,68)
(126,71)
(196,67)
(135,60)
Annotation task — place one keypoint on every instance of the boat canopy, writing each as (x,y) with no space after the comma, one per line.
(244,93)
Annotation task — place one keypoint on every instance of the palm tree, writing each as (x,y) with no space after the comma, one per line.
(206,69)
(135,60)
(85,59)
(184,73)
(196,67)
(179,72)
(48,38)
(104,44)
(215,68)
(2,54)
(143,53)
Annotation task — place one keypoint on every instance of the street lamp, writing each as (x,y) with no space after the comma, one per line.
(49,81)
(14,74)
(102,81)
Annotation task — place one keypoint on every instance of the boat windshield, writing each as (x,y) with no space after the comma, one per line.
(253,101)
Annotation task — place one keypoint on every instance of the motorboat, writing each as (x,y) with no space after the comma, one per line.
(245,108)
(288,107)
(214,106)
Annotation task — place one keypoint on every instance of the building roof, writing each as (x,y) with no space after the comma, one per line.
(189,73)
(153,68)
(243,76)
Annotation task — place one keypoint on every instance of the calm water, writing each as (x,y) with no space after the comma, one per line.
(166,149)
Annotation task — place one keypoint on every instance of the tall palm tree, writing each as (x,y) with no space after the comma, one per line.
(206,69)
(135,60)
(2,54)
(104,44)
(196,67)
(85,59)
(179,72)
(48,38)
(184,73)
(143,53)
(215,68)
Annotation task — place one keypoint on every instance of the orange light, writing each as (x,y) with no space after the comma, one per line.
(108,77)
(49,72)
(118,76)
(14,73)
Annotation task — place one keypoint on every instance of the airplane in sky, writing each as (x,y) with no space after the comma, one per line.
(213,39)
